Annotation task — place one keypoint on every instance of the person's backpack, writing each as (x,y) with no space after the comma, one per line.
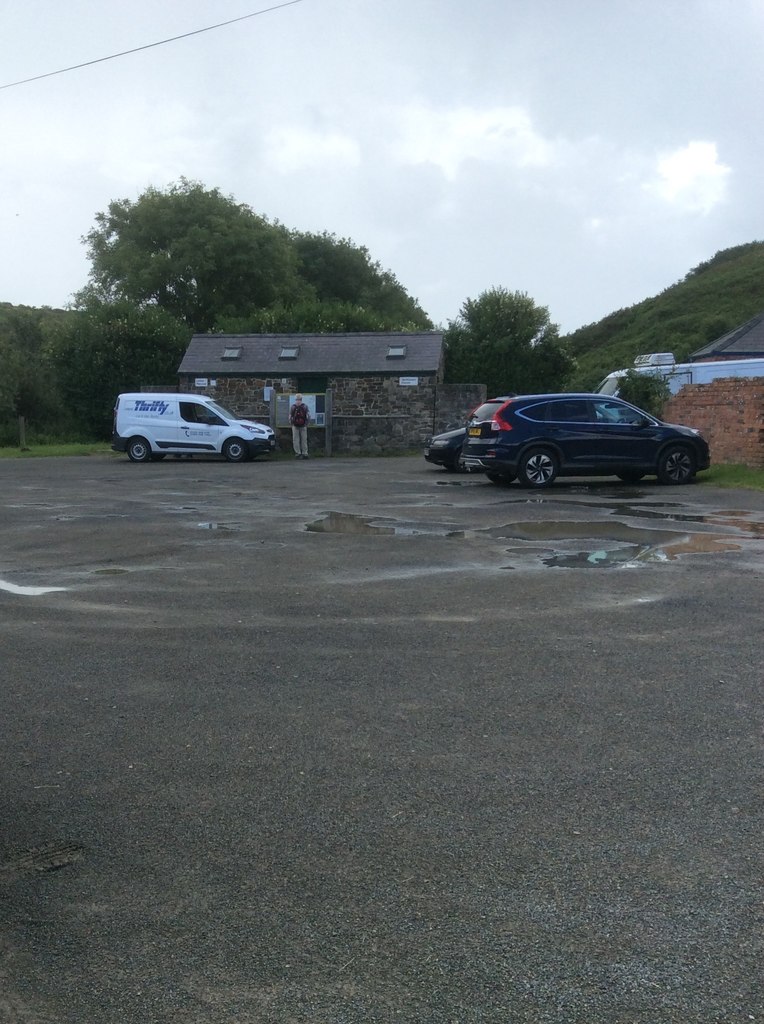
(299,416)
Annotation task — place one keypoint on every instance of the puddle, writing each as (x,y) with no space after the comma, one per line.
(664,511)
(633,554)
(635,546)
(572,530)
(109,572)
(76,518)
(373,526)
(613,543)
(230,527)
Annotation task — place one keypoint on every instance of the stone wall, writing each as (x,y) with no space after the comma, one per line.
(377,414)
(729,412)
(371,414)
(242,395)
(453,403)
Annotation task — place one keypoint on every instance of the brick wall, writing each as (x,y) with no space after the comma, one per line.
(730,414)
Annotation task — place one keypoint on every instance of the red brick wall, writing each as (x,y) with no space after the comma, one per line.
(730,414)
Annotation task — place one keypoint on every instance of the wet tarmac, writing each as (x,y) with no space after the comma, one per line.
(354,740)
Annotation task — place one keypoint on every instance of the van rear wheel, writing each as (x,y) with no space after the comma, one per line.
(234,450)
(138,449)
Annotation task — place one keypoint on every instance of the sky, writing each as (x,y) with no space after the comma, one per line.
(589,153)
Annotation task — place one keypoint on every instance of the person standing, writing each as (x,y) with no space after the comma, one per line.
(299,417)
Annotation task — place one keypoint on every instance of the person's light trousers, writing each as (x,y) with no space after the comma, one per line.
(300,440)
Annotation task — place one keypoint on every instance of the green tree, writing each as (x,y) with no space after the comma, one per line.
(338,271)
(109,348)
(313,317)
(207,259)
(506,341)
(28,385)
(191,251)
(648,391)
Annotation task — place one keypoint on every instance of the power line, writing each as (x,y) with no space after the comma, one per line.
(149,46)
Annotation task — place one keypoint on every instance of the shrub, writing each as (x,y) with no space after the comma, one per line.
(648,391)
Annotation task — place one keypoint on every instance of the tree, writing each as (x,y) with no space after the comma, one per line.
(504,340)
(28,386)
(648,391)
(114,347)
(313,317)
(191,251)
(338,271)
(206,259)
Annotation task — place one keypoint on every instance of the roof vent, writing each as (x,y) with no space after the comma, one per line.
(655,359)
(289,352)
(396,352)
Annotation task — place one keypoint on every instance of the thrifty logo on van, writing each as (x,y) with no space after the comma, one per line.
(157,406)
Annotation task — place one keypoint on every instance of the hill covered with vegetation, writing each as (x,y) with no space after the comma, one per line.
(713,298)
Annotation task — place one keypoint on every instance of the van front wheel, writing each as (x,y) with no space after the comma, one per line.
(138,449)
(234,450)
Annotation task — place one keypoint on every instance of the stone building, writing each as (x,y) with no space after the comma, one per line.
(368,392)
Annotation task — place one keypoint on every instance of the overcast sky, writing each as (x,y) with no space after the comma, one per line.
(587,152)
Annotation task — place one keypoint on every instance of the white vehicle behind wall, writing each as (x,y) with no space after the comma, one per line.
(679,374)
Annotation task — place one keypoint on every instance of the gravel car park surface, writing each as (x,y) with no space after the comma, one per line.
(359,740)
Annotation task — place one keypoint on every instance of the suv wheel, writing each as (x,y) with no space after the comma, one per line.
(676,465)
(538,468)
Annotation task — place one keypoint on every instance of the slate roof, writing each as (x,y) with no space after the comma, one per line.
(744,342)
(347,354)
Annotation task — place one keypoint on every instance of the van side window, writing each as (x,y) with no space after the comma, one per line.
(188,412)
(192,412)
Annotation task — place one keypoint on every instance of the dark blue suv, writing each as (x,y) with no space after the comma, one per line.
(535,438)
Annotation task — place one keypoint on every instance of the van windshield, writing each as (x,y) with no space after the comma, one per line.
(221,411)
(609,386)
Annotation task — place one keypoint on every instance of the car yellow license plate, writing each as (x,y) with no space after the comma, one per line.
(474,431)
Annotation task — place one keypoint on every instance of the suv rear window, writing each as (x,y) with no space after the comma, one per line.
(486,410)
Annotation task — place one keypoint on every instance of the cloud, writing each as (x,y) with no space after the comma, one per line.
(448,139)
(691,178)
(298,149)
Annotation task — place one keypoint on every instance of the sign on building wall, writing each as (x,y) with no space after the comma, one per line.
(316,407)
(408,382)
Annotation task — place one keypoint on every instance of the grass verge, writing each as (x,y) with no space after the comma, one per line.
(733,476)
(37,451)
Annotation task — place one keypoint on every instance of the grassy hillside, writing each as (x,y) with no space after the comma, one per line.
(712,299)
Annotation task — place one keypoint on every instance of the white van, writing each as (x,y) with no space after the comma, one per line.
(149,425)
(679,374)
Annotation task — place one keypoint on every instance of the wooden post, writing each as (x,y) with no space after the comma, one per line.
(328,423)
